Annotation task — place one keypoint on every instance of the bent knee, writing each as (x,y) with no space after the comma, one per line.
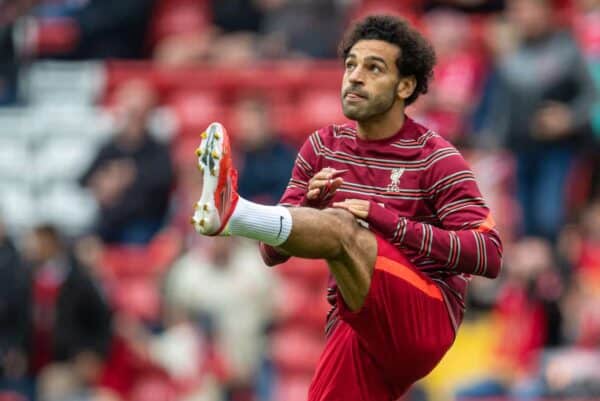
(349,232)
(343,220)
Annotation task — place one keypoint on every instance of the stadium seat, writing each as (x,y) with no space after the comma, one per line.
(64,159)
(17,125)
(194,111)
(319,108)
(15,159)
(67,206)
(296,350)
(138,298)
(153,388)
(406,9)
(292,387)
(178,17)
(12,396)
(139,261)
(310,271)
(301,305)
(54,82)
(18,208)
(80,121)
(285,121)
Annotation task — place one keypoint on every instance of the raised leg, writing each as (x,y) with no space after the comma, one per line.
(332,234)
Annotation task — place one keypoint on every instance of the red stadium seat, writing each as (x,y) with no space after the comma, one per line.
(285,122)
(319,109)
(407,9)
(292,387)
(194,111)
(142,261)
(311,271)
(153,389)
(176,17)
(301,305)
(138,298)
(296,350)
(12,396)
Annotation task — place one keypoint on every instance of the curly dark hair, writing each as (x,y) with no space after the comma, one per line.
(416,57)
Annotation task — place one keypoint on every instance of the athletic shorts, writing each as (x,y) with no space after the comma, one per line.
(398,336)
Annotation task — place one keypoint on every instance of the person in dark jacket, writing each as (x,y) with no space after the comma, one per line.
(14,314)
(131,176)
(93,29)
(266,161)
(540,110)
(70,315)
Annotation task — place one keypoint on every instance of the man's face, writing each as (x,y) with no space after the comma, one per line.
(532,17)
(134,101)
(370,83)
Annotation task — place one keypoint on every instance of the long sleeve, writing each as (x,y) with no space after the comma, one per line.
(305,166)
(466,242)
(582,103)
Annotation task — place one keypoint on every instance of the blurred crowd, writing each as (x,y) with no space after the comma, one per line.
(135,306)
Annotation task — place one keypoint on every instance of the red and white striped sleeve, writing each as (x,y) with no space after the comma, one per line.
(467,241)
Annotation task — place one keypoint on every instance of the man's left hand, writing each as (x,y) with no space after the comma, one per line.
(358,207)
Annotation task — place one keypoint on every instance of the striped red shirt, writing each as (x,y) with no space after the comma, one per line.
(423,198)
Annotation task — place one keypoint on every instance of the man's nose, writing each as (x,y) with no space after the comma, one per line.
(356,76)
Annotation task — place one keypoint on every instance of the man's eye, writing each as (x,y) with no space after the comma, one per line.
(349,66)
(375,69)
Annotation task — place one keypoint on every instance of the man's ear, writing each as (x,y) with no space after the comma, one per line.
(406,87)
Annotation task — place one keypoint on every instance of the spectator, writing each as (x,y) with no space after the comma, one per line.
(131,176)
(542,98)
(527,319)
(93,29)
(8,67)
(266,159)
(286,21)
(188,356)
(470,6)
(232,297)
(14,316)
(181,32)
(71,320)
(236,15)
(581,248)
(458,75)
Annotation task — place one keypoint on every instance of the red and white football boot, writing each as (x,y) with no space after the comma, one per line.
(219,187)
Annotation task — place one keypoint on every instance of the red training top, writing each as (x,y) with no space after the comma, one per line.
(424,201)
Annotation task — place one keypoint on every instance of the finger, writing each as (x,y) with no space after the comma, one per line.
(317,184)
(341,205)
(350,203)
(358,212)
(355,212)
(358,202)
(336,183)
(354,206)
(313,193)
(325,173)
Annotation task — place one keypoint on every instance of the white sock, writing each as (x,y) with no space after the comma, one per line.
(269,224)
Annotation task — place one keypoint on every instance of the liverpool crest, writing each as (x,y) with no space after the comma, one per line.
(395,179)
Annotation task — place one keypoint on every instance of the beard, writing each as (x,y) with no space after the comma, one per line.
(370,107)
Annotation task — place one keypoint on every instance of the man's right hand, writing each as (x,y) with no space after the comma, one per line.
(324,183)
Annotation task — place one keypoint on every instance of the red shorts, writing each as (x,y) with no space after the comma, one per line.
(399,335)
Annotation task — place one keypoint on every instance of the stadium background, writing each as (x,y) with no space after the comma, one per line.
(106,293)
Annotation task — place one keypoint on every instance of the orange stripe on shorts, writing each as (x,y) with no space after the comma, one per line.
(407,274)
